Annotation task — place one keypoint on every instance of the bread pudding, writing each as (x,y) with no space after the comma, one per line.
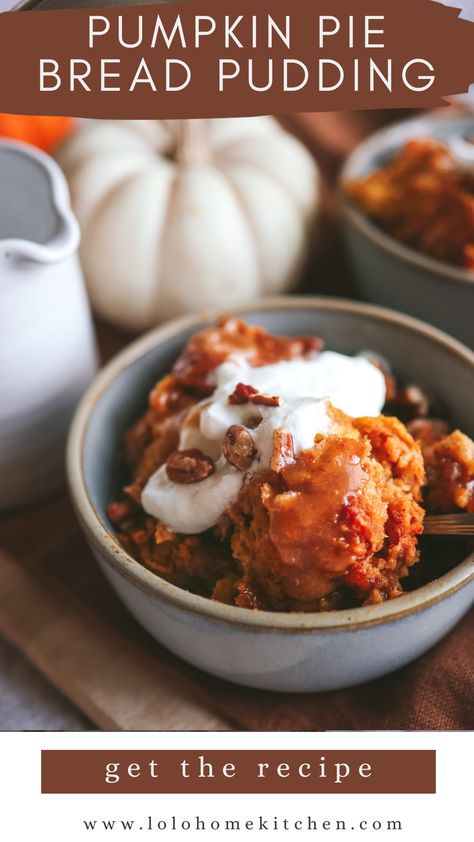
(424,197)
(270,473)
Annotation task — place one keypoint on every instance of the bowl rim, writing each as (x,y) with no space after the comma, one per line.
(363,154)
(105,542)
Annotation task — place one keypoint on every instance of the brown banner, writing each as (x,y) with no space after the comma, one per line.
(213,58)
(234,771)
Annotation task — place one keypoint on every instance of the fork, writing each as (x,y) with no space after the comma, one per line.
(459,524)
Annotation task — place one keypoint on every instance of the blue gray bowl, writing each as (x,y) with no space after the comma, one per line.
(288,651)
(391,273)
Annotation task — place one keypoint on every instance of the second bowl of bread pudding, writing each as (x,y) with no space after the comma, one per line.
(407,196)
(255,486)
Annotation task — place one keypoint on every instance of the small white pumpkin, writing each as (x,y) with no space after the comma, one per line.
(180,216)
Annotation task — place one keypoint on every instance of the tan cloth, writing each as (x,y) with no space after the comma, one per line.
(435,692)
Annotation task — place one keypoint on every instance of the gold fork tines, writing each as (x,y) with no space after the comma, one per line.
(460,524)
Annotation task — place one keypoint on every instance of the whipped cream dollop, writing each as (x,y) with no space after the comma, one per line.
(307,388)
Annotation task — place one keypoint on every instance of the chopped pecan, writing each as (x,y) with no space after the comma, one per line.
(265,400)
(283,450)
(118,512)
(409,402)
(187,466)
(243,393)
(414,400)
(239,447)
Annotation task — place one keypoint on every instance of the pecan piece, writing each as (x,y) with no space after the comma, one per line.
(414,400)
(265,400)
(187,466)
(119,511)
(244,393)
(410,402)
(238,447)
(283,450)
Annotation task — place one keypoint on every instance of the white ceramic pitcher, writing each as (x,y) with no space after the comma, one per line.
(47,346)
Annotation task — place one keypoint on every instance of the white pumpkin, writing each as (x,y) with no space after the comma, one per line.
(180,216)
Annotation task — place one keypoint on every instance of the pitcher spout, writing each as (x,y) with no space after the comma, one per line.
(36,221)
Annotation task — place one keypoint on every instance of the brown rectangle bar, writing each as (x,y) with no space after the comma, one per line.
(237,771)
(186,73)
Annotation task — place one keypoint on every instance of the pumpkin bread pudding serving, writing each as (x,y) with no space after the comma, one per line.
(264,475)
(424,197)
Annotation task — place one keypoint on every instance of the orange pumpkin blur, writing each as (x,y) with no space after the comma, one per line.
(43,132)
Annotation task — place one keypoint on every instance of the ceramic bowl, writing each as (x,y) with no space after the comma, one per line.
(391,273)
(288,651)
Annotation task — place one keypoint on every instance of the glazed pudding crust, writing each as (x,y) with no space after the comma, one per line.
(333,526)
